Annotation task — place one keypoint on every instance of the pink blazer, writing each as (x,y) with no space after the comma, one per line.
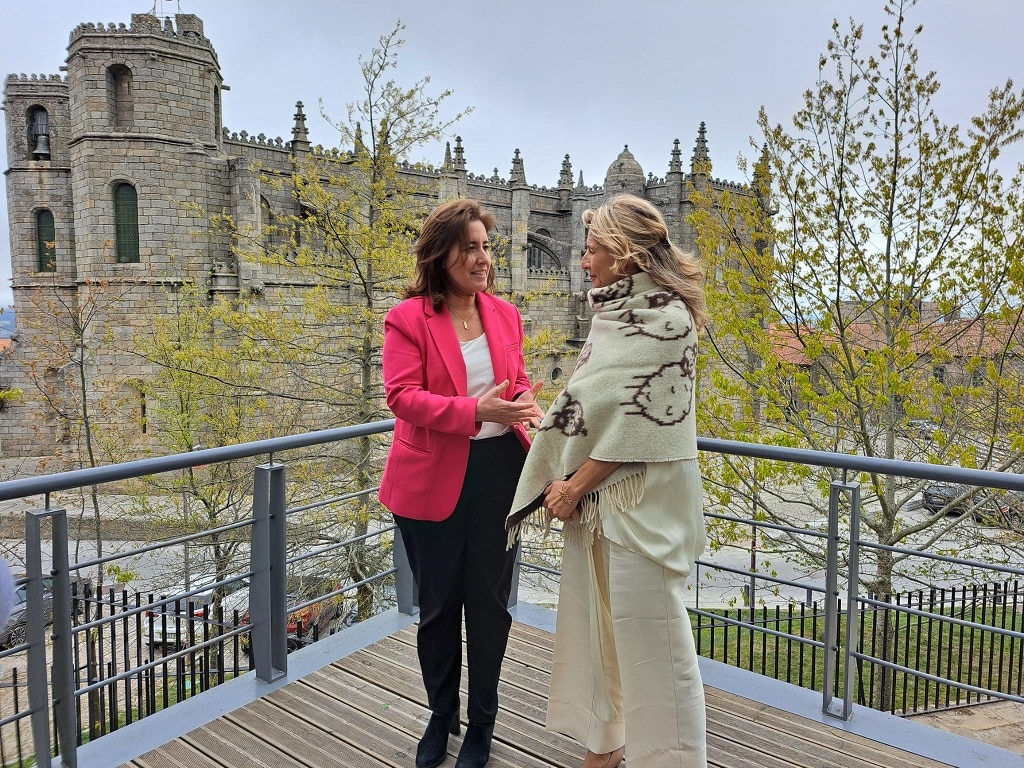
(425,387)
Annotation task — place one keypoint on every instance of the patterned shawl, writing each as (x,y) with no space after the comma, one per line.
(630,399)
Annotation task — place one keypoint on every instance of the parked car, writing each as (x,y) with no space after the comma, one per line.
(1011,508)
(957,499)
(167,626)
(15,630)
(304,623)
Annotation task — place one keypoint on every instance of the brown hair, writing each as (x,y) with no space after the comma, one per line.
(445,226)
(634,231)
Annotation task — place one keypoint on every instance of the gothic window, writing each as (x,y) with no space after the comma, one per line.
(119,96)
(38,134)
(269,225)
(939,374)
(46,241)
(216,114)
(126,223)
(539,257)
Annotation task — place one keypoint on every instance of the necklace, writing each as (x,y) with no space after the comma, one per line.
(465,323)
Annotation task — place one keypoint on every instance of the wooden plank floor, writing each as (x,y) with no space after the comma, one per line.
(366,710)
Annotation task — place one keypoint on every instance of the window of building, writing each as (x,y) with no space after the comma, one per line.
(38,134)
(119,96)
(126,223)
(939,372)
(538,257)
(46,241)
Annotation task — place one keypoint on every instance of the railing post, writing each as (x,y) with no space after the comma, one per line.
(513,595)
(65,710)
(832,613)
(268,601)
(405,586)
(35,628)
(852,604)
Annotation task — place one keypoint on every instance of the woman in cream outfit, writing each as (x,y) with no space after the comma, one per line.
(615,460)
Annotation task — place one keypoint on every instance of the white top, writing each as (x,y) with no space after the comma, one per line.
(480,380)
(667,526)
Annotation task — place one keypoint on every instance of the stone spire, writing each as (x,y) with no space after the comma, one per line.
(565,177)
(460,157)
(447,166)
(700,163)
(675,165)
(300,136)
(763,182)
(518,175)
(360,147)
(565,185)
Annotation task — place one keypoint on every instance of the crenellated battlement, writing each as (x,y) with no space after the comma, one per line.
(183,26)
(260,139)
(23,78)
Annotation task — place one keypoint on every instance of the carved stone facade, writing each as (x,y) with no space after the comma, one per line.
(135,126)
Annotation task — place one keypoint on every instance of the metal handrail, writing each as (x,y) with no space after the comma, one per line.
(268,562)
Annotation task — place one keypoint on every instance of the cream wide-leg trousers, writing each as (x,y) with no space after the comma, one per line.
(625,666)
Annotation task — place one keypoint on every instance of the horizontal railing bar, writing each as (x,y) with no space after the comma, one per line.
(940,617)
(760,576)
(161,545)
(61,481)
(936,679)
(134,671)
(941,558)
(340,544)
(812,532)
(871,464)
(739,623)
(332,500)
(343,590)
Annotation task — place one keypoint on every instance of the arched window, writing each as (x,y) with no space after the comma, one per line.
(38,134)
(539,257)
(46,241)
(272,235)
(126,223)
(119,96)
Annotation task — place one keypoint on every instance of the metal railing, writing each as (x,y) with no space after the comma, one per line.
(56,721)
(53,696)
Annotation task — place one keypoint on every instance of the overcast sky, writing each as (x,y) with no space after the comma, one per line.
(580,77)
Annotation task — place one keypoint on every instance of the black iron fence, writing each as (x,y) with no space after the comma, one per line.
(200,647)
(964,635)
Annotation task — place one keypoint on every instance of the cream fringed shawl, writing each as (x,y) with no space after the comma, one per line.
(630,399)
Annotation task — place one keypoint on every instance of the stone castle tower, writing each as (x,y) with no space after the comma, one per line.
(99,158)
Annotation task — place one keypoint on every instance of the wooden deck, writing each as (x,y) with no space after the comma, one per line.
(366,709)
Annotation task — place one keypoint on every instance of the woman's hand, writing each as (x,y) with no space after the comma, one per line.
(491,407)
(530,396)
(560,502)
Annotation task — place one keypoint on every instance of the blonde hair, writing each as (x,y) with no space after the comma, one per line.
(634,232)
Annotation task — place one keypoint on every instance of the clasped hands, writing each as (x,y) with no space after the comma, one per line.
(523,410)
(560,503)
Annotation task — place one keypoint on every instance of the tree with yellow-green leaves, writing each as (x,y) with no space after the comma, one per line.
(78,397)
(346,247)
(872,284)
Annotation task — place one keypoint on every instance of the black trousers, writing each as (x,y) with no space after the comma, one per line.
(462,563)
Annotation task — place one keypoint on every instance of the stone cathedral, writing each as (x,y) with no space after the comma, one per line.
(98,157)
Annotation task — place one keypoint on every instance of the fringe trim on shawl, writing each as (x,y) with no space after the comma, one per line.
(610,499)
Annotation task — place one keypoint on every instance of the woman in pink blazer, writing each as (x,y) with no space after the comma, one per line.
(455,378)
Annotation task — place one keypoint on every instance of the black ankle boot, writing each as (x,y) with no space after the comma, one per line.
(476,747)
(433,747)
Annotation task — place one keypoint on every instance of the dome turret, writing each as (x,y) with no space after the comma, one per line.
(625,175)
